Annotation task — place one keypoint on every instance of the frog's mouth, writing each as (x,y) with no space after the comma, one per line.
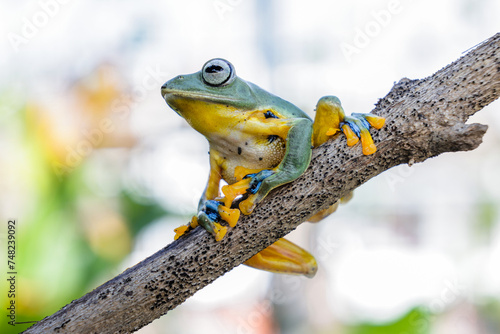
(173,94)
(192,106)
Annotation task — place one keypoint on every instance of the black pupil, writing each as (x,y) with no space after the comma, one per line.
(269,114)
(214,69)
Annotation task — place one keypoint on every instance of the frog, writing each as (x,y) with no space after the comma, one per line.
(257,142)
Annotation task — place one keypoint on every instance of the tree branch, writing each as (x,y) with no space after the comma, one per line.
(424,119)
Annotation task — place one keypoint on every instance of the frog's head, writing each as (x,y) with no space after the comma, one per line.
(213,95)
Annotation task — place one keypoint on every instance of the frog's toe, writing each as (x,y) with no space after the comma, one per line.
(232,191)
(352,139)
(229,215)
(367,143)
(376,121)
(248,187)
(219,231)
(180,231)
(331,132)
(248,205)
(254,196)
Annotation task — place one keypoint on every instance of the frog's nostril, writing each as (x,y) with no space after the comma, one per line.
(164,86)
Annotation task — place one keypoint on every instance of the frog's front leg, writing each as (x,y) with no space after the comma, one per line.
(330,119)
(211,209)
(295,161)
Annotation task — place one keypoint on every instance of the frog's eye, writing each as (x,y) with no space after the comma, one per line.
(218,72)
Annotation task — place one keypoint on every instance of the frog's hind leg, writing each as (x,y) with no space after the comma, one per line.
(330,119)
(323,213)
(284,257)
(328,211)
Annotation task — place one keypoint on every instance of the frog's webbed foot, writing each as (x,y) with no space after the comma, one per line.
(357,126)
(210,217)
(328,211)
(248,187)
(330,119)
(284,257)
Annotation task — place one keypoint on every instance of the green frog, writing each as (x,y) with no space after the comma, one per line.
(258,142)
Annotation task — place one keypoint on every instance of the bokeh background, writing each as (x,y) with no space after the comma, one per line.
(98,171)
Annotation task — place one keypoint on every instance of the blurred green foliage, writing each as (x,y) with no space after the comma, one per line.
(417,321)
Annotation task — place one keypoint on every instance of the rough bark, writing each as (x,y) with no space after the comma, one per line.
(424,119)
